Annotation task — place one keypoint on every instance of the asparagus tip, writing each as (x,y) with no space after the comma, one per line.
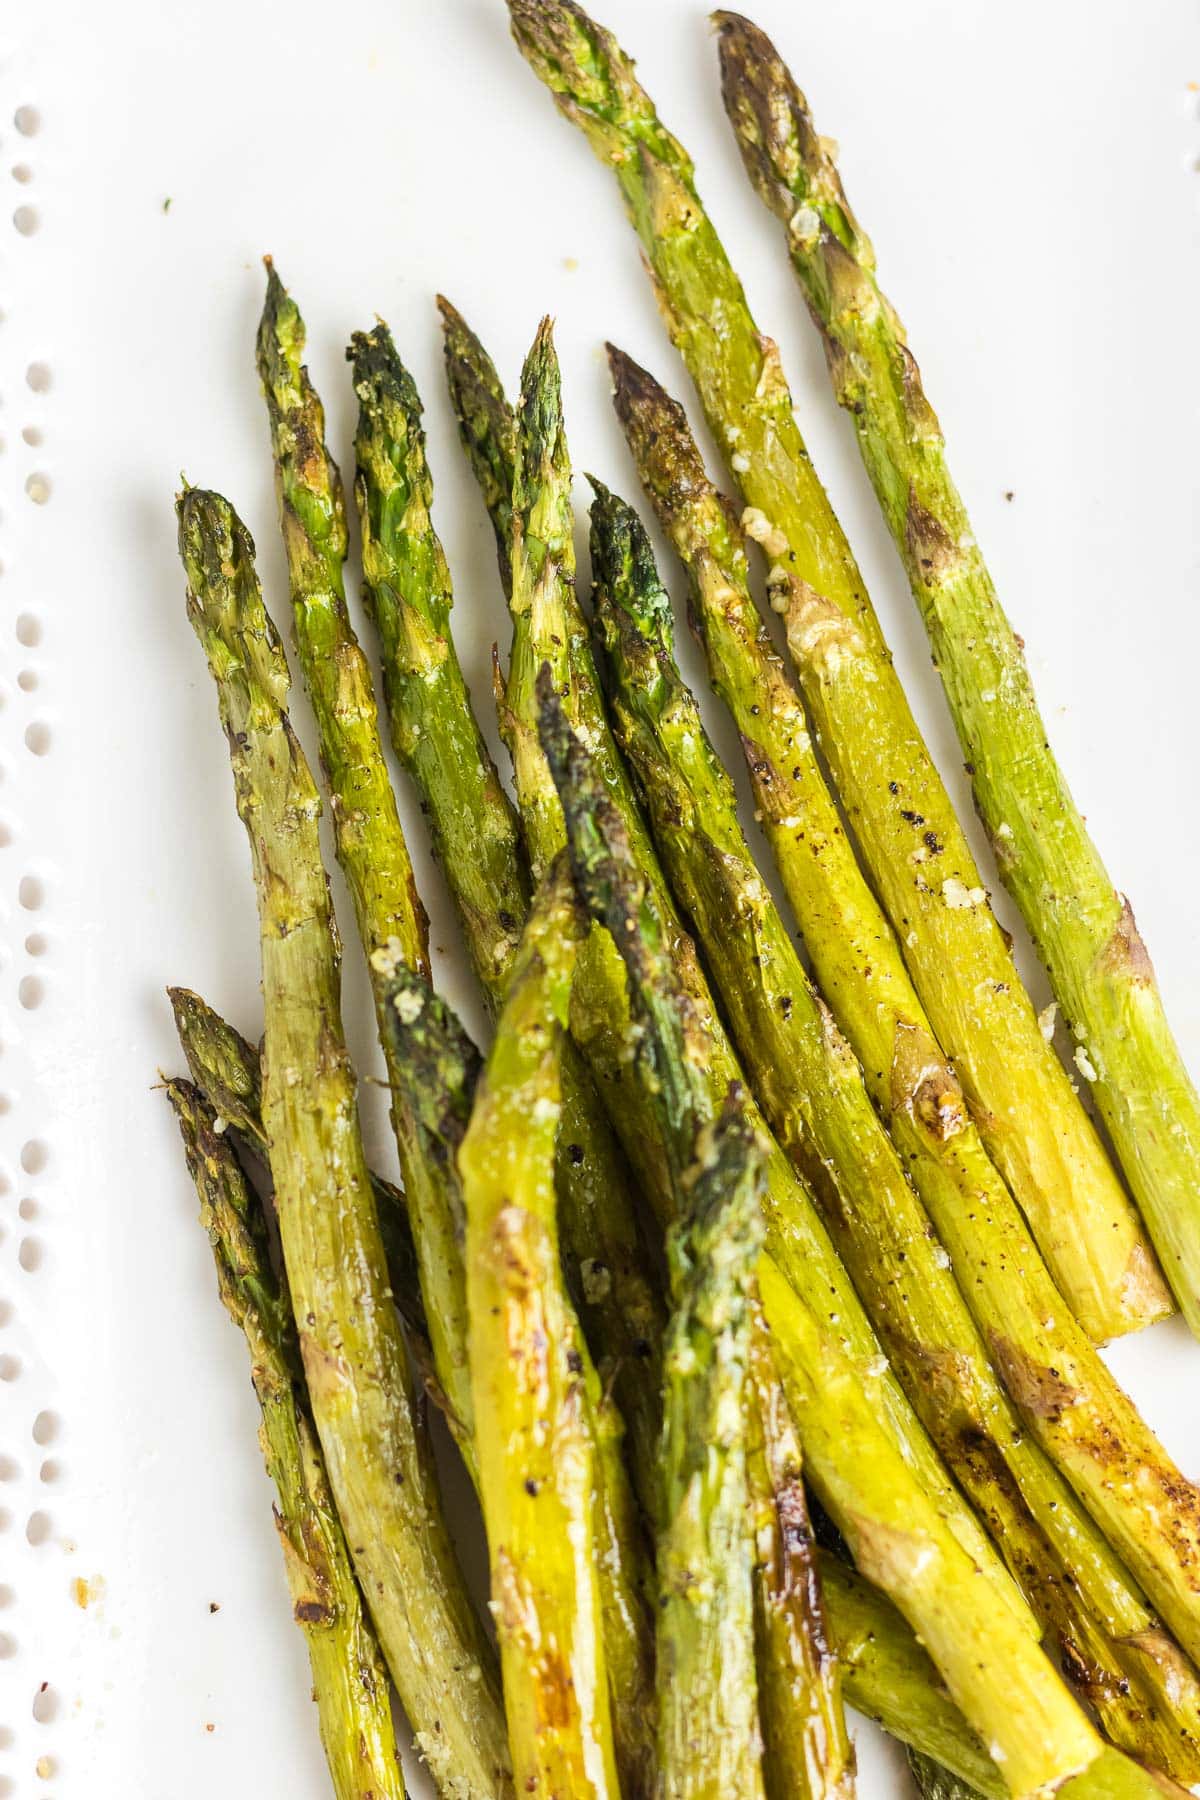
(212,538)
(279,347)
(376,364)
(451,317)
(634,387)
(737,25)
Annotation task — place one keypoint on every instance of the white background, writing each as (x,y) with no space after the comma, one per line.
(1029,176)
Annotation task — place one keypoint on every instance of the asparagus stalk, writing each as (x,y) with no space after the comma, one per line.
(804,1703)
(933,1782)
(477,838)
(1032,1338)
(367,833)
(363,1402)
(995,1671)
(408,592)
(374,857)
(444,1070)
(600,1008)
(815,1099)
(486,427)
(808,1754)
(350,1680)
(536,1397)
(225,1067)
(890,1678)
(1083,928)
(710,1744)
(1033,1125)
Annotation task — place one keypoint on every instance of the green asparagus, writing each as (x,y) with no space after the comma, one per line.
(1083,928)
(814,1097)
(535,1397)
(441,1068)
(374,858)
(808,1754)
(1032,1123)
(598,1216)
(934,1782)
(710,1744)
(444,1068)
(364,1406)
(485,425)
(600,1009)
(367,833)
(858,964)
(350,1680)
(225,1067)
(890,1678)
(477,839)
(995,1671)
(807,1708)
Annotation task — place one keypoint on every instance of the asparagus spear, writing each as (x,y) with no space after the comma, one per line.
(933,1782)
(709,1739)
(890,1678)
(485,425)
(600,1010)
(444,1069)
(994,1670)
(858,964)
(803,1699)
(477,838)
(1033,1125)
(362,1396)
(808,1754)
(367,833)
(350,1680)
(814,1097)
(225,1067)
(441,1066)
(1083,928)
(536,1397)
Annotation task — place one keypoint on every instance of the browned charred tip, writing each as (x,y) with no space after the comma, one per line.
(634,386)
(735,28)
(452,319)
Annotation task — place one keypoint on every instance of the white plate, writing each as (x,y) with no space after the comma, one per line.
(1029,174)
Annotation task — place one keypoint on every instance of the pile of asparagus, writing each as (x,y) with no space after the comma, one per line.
(761,1305)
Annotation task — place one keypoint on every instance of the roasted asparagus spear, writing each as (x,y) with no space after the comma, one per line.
(350,1678)
(997,1674)
(367,832)
(600,1011)
(537,1398)
(1083,928)
(477,839)
(816,1101)
(364,1405)
(1033,1124)
(710,1744)
(808,1752)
